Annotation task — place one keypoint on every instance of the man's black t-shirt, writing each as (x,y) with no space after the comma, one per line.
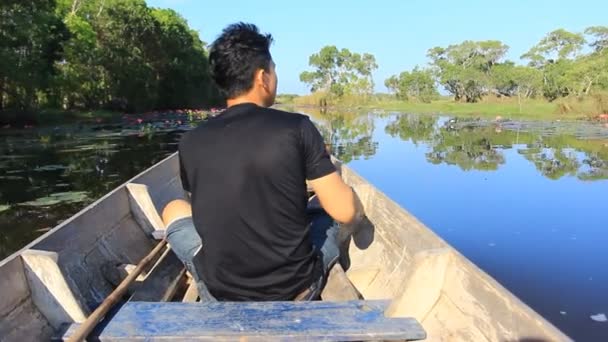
(246,171)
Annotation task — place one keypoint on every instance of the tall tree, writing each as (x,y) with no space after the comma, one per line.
(418,85)
(600,35)
(30,36)
(183,72)
(555,55)
(557,45)
(124,55)
(464,69)
(340,72)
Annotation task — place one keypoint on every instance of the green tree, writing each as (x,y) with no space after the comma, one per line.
(465,69)
(600,35)
(183,72)
(509,80)
(418,84)
(81,82)
(99,54)
(30,36)
(557,45)
(340,72)
(555,55)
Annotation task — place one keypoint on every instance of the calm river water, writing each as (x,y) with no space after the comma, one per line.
(526,201)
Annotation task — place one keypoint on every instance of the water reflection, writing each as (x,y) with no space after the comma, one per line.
(475,144)
(349,134)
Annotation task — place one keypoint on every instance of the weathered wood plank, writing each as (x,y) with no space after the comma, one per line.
(12,282)
(191,293)
(144,211)
(338,286)
(423,288)
(20,320)
(49,289)
(24,323)
(259,321)
(162,281)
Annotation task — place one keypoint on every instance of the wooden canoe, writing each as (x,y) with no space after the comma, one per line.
(59,277)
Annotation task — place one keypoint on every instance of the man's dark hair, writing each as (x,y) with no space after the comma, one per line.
(235,56)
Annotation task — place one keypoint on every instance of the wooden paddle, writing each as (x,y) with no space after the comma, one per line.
(96,316)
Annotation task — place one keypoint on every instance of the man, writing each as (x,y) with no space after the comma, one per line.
(246,170)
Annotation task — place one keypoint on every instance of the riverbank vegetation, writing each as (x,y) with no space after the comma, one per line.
(564,75)
(108,55)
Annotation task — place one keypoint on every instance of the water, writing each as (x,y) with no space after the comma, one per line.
(525,201)
(48,174)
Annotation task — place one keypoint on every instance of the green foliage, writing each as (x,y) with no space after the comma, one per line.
(286,98)
(465,69)
(340,72)
(600,36)
(557,45)
(565,71)
(100,54)
(30,35)
(556,69)
(418,85)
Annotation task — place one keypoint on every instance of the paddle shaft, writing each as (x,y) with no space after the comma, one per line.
(91,322)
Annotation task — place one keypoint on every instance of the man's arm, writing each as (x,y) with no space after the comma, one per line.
(336,198)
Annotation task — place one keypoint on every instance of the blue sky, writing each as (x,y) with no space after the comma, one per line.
(397,32)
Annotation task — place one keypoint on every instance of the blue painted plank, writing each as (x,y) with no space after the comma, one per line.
(259,321)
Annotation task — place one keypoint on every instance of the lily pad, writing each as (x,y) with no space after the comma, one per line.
(60,197)
(4,207)
(600,318)
(50,168)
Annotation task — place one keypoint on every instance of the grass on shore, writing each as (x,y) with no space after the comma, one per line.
(535,109)
(530,110)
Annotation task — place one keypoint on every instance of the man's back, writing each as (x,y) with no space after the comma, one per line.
(246,170)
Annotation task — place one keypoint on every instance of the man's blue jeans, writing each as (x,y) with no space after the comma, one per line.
(186,243)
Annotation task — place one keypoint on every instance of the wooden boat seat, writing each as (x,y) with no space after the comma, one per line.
(163,280)
(257,321)
(339,287)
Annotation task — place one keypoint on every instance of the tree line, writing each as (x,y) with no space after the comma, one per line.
(99,54)
(562,64)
